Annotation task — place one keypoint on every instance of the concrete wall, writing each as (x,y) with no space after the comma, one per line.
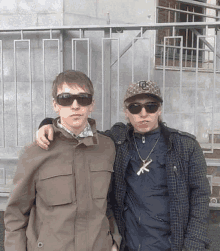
(28,13)
(173,105)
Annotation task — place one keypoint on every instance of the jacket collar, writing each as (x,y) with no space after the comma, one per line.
(166,132)
(88,141)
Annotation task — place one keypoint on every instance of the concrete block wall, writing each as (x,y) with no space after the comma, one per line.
(205,98)
(25,13)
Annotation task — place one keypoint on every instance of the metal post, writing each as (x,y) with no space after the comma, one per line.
(44,73)
(3,105)
(106,81)
(74,61)
(149,56)
(16,88)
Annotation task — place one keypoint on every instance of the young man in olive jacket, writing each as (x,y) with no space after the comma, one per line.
(160,192)
(60,198)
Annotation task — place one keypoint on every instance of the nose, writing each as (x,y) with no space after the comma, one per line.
(143,112)
(75,105)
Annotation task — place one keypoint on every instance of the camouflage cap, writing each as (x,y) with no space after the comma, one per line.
(144,87)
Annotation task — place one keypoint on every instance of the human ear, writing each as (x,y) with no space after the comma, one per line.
(55,106)
(91,108)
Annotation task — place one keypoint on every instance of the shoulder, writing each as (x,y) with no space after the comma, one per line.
(168,131)
(26,165)
(183,141)
(117,132)
(32,156)
(182,134)
(104,138)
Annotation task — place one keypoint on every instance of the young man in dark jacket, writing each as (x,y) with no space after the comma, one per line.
(160,193)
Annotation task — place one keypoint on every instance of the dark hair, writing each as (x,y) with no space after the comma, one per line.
(72,77)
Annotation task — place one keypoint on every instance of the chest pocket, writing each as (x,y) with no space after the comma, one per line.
(100,174)
(56,184)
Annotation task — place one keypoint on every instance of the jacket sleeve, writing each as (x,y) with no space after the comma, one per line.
(199,192)
(116,237)
(18,209)
(46,121)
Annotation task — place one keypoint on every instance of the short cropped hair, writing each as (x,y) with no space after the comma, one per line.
(71,77)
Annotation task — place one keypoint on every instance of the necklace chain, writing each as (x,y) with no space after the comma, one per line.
(150,151)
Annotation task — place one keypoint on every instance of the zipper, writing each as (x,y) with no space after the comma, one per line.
(143,139)
(139,247)
(175,170)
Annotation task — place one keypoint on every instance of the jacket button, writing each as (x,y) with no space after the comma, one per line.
(40,244)
(119,142)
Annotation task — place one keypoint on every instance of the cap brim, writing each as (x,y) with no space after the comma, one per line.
(142,95)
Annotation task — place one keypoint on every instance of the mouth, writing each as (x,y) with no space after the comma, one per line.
(144,122)
(75,115)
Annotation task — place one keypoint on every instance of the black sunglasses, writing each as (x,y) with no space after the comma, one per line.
(66,99)
(150,107)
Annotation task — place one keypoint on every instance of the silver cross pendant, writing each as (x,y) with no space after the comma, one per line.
(144,167)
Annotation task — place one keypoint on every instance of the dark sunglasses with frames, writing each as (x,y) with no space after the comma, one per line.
(66,99)
(150,107)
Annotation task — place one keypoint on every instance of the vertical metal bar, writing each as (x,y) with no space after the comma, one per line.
(208,58)
(16,87)
(214,91)
(73,66)
(181,76)
(118,97)
(173,49)
(61,50)
(3,181)
(196,86)
(149,59)
(75,56)
(103,79)
(192,48)
(3,103)
(16,93)
(168,50)
(193,20)
(31,94)
(187,31)
(59,66)
(44,79)
(88,57)
(132,62)
(58,56)
(164,64)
